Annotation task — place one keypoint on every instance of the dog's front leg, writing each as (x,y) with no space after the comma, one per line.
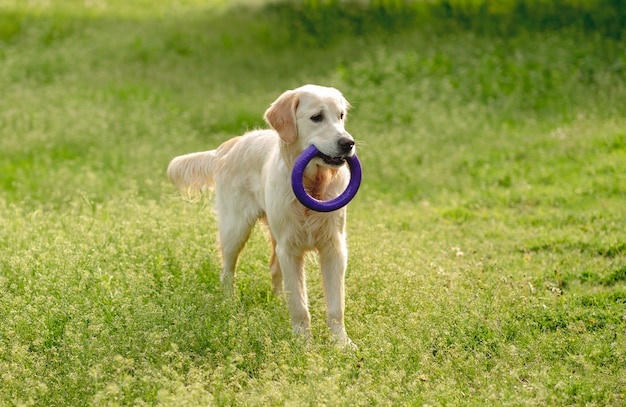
(292,264)
(333,262)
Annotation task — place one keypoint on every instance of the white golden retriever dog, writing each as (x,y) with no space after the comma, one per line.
(251,175)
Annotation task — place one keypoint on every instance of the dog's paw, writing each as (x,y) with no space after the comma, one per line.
(302,332)
(344,342)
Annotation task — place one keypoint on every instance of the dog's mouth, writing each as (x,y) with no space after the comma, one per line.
(334,161)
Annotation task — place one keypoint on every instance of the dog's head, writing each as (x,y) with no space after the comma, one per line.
(313,115)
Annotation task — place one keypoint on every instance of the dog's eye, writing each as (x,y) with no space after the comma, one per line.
(317,118)
(341,116)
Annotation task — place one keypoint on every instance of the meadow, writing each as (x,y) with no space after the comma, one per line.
(487,247)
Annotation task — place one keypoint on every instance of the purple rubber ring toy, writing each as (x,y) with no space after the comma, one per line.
(324,206)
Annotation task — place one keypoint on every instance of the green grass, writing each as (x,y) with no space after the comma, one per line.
(487,246)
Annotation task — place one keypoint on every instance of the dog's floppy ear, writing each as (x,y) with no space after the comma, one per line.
(281,115)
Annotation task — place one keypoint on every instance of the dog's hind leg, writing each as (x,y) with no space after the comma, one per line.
(234,230)
(275,271)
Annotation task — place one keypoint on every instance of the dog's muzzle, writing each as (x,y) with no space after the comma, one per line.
(345,146)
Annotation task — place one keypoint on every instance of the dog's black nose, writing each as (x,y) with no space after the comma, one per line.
(345,144)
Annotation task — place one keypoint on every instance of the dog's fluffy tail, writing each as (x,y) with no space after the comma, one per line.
(193,173)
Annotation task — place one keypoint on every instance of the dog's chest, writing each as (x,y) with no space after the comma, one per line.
(317,182)
(317,228)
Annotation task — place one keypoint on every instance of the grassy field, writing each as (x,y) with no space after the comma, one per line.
(487,245)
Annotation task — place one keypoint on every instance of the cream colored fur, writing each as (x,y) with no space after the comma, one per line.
(251,176)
